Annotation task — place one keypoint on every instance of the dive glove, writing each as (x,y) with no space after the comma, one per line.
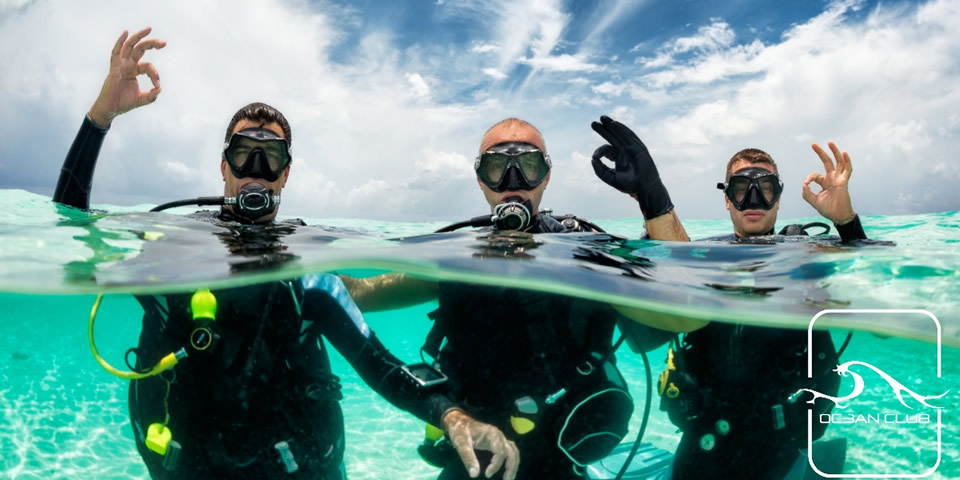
(635,171)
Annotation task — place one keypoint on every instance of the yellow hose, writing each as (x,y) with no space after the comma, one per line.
(165,363)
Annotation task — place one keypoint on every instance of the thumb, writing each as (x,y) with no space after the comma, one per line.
(605,173)
(807,193)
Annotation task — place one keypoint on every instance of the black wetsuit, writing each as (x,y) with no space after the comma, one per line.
(503,344)
(268,378)
(745,376)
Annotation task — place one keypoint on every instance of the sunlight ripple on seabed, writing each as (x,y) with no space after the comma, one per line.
(51,430)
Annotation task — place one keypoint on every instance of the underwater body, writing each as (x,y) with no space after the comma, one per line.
(65,417)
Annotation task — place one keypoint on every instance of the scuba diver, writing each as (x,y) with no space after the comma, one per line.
(734,390)
(255,396)
(539,366)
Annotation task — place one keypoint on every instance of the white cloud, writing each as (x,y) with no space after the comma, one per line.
(177,170)
(907,137)
(8,5)
(484,48)
(445,164)
(876,86)
(561,63)
(418,85)
(386,129)
(493,72)
(609,88)
(709,38)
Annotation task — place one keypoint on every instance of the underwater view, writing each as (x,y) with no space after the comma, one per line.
(63,416)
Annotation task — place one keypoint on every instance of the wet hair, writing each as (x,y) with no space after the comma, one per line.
(262,114)
(514,122)
(751,155)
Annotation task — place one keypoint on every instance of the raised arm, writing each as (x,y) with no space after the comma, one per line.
(636,175)
(329,305)
(120,93)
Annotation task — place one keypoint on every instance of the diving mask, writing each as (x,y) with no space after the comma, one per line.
(257,153)
(512,166)
(753,188)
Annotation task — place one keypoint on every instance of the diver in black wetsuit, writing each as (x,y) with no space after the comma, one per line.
(538,366)
(733,389)
(259,400)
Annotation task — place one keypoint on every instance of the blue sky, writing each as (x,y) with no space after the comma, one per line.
(388,100)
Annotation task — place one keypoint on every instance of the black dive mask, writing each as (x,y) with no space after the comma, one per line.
(253,201)
(513,214)
(753,189)
(512,166)
(257,153)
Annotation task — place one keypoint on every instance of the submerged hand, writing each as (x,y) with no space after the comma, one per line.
(121,91)
(833,201)
(634,173)
(467,434)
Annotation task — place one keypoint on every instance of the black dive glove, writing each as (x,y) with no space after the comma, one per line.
(635,171)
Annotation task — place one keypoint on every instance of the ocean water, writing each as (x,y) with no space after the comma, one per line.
(62,416)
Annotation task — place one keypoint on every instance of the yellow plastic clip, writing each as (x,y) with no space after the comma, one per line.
(522,425)
(158,438)
(433,433)
(203,304)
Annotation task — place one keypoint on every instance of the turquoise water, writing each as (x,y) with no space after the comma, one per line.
(62,416)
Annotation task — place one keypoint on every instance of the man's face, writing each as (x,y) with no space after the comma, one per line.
(508,133)
(233,184)
(752,222)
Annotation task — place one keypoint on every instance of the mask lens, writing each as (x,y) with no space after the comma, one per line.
(492,167)
(769,187)
(277,157)
(738,188)
(237,154)
(533,166)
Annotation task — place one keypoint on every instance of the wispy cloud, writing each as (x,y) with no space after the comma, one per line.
(379,113)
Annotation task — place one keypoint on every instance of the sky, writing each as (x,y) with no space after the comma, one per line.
(388,100)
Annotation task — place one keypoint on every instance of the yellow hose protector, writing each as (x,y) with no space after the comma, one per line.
(165,363)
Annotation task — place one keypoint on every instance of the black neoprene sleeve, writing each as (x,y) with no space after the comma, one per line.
(76,175)
(372,361)
(852,230)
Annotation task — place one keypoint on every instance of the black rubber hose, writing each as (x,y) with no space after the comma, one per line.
(481,221)
(845,343)
(200,201)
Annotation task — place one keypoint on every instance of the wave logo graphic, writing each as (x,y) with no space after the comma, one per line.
(858,384)
(917,320)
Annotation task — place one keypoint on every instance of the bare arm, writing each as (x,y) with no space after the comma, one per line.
(389,291)
(667,227)
(663,321)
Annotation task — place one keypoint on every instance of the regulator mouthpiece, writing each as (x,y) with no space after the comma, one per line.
(513,214)
(254,201)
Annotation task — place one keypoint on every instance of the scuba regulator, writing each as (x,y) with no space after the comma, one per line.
(513,214)
(252,202)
